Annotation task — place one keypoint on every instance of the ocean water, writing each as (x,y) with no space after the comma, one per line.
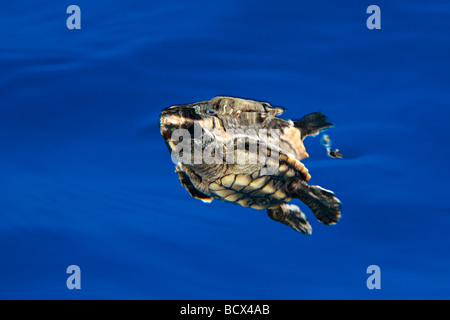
(86,179)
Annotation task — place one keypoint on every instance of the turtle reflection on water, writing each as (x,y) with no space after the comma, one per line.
(248,183)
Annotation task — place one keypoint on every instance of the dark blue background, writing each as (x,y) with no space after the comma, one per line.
(86,178)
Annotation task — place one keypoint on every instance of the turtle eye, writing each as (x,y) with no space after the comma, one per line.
(198,109)
(202,109)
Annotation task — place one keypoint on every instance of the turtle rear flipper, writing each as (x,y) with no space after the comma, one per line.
(186,182)
(325,206)
(291,216)
(312,124)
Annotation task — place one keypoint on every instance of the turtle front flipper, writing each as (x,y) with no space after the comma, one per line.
(186,182)
(291,216)
(325,206)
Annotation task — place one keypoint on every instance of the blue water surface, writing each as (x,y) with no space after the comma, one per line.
(86,179)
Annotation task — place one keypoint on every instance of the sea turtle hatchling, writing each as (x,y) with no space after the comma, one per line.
(216,126)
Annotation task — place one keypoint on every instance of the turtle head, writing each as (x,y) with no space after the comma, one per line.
(178,117)
(183,123)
